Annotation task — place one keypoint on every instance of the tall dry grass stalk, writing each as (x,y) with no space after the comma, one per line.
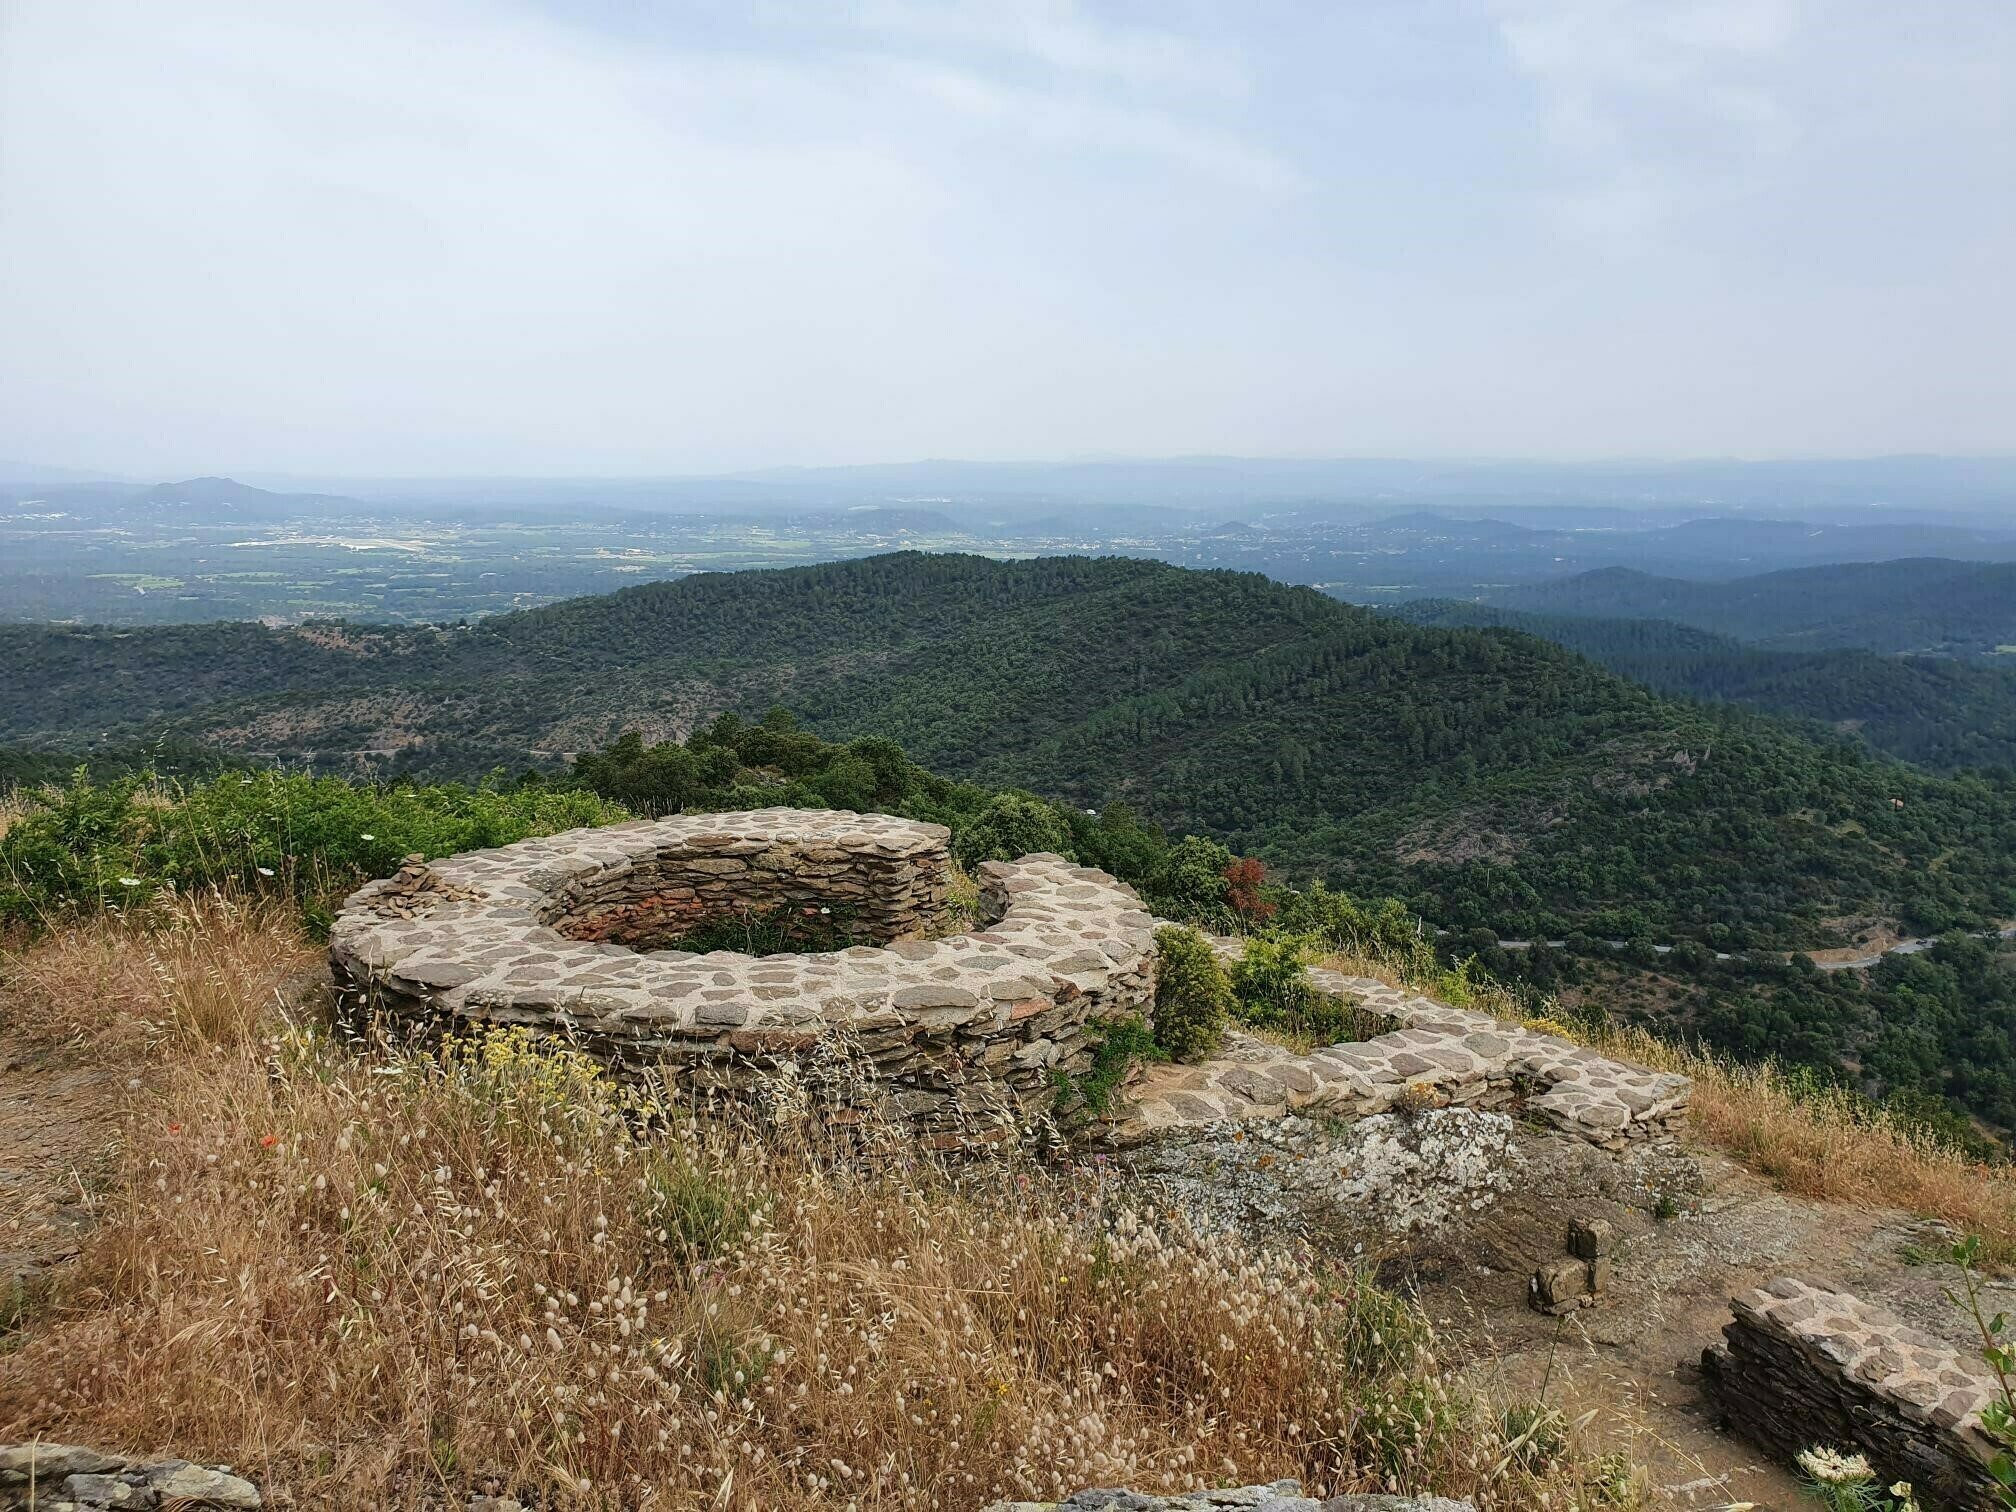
(1803,1136)
(182,975)
(15,806)
(386,1281)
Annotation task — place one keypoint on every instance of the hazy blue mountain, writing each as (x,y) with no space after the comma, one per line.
(1945,713)
(1914,604)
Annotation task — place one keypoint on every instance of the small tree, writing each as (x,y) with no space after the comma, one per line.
(1243,880)
(1012,825)
(1193,996)
(1190,882)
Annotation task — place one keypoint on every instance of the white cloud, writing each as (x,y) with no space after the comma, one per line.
(1653,104)
(433,235)
(1059,34)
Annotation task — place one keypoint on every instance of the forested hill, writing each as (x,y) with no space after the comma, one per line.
(1495,780)
(1942,712)
(1915,604)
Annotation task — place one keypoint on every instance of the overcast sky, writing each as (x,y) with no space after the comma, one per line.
(606,236)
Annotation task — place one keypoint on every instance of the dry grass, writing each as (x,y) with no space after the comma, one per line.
(1805,1137)
(16,804)
(184,975)
(1817,1141)
(387,1281)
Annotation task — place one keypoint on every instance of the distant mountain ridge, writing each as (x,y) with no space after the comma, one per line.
(1945,713)
(1915,604)
(1496,781)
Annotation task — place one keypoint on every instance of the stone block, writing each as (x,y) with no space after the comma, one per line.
(1590,1238)
(1560,1286)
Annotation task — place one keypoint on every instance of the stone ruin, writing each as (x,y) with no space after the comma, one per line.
(962,1034)
(579,934)
(1804,1367)
(1432,1052)
(1277,1496)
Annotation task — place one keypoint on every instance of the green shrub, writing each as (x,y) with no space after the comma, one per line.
(1387,929)
(1272,993)
(1193,996)
(1012,825)
(1190,882)
(1120,1043)
(120,842)
(1268,980)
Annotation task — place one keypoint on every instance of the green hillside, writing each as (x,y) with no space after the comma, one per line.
(1940,712)
(1495,781)
(1923,604)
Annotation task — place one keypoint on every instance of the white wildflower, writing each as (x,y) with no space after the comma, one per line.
(1832,1467)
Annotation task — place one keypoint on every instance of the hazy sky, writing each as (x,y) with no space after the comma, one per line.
(612,236)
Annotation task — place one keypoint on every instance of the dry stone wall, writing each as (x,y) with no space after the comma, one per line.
(867,878)
(1803,1366)
(1446,1055)
(1278,1496)
(962,1034)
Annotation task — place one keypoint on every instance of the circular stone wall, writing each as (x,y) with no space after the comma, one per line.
(959,1031)
(859,879)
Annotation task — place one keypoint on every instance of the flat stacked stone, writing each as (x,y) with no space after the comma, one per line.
(1443,1055)
(962,1033)
(1803,1366)
(1278,1496)
(44,1477)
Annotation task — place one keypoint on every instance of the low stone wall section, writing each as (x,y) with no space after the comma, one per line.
(1802,1366)
(1448,1056)
(1278,1496)
(46,1477)
(960,1032)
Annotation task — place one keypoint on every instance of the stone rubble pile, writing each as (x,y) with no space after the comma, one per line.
(1280,1496)
(48,1477)
(414,889)
(1453,1056)
(1803,1366)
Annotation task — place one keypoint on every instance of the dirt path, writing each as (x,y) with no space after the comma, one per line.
(58,1133)
(1633,1360)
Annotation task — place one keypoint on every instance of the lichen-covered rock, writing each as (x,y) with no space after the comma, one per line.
(1277,1496)
(1388,1176)
(67,1478)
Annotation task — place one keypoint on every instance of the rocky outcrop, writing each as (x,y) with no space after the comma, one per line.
(1803,1366)
(66,1478)
(1280,1496)
(1390,1176)
(957,1037)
